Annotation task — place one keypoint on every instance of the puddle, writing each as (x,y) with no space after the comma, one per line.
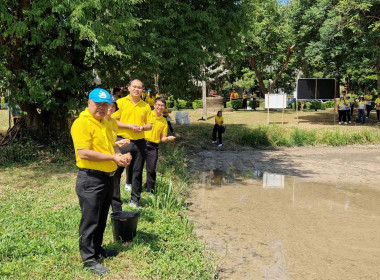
(264,225)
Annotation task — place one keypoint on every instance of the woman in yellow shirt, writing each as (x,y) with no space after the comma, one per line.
(218,127)
(150,100)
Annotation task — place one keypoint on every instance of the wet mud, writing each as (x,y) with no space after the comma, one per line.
(290,214)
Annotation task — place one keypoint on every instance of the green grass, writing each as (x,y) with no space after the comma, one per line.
(39,219)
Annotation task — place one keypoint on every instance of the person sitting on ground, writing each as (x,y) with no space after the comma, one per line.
(377,104)
(342,106)
(361,109)
(218,128)
(153,138)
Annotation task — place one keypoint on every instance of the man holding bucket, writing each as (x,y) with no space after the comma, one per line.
(97,159)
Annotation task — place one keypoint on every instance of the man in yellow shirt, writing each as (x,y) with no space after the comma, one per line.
(133,118)
(234,95)
(153,138)
(97,159)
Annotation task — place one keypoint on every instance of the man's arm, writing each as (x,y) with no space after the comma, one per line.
(91,155)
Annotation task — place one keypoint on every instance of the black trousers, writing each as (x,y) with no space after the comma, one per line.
(348,112)
(244,103)
(137,150)
(342,115)
(378,114)
(369,108)
(151,164)
(217,128)
(95,194)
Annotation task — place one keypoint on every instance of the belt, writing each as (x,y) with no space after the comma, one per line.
(93,171)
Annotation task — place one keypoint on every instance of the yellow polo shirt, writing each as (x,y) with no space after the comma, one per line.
(369,97)
(245,96)
(377,102)
(150,101)
(89,133)
(219,120)
(160,126)
(114,126)
(130,113)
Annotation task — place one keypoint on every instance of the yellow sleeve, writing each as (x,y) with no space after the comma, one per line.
(81,135)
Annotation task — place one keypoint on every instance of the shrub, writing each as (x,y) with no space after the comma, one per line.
(234,104)
(169,103)
(315,104)
(307,106)
(180,104)
(323,106)
(253,103)
(198,103)
(330,104)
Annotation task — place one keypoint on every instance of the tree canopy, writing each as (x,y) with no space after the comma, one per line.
(51,50)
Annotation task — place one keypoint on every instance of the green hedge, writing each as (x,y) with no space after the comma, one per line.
(169,103)
(253,102)
(198,103)
(235,104)
(180,104)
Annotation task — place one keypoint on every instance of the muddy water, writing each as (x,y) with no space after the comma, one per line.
(263,225)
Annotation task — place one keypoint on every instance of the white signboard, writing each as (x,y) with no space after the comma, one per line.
(271,180)
(275,101)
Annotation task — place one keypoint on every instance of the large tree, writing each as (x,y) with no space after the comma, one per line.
(48,49)
(268,40)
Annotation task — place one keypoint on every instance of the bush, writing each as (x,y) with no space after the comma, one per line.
(180,104)
(330,104)
(169,103)
(315,105)
(323,106)
(307,106)
(197,104)
(253,103)
(235,104)
(294,105)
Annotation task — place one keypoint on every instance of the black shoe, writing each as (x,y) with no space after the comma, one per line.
(107,253)
(95,267)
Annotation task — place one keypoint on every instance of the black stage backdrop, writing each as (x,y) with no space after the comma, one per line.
(316,89)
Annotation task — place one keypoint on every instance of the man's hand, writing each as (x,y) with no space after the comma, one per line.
(135,127)
(171,138)
(121,160)
(122,143)
(127,157)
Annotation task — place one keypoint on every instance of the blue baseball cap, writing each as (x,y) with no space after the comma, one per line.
(100,95)
(149,90)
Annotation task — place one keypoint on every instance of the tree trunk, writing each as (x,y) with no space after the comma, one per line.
(288,53)
(259,76)
(156,85)
(378,75)
(204,98)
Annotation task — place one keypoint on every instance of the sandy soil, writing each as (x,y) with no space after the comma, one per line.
(295,213)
